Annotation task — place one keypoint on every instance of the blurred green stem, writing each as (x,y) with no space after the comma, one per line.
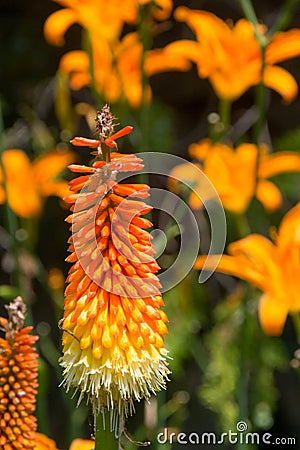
(296,320)
(104,437)
(12,227)
(11,219)
(242,225)
(263,41)
(225,113)
(260,101)
(144,32)
(242,392)
(284,17)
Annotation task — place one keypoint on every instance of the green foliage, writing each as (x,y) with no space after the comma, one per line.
(239,379)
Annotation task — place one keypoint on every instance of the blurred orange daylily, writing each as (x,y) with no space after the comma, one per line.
(116,70)
(100,17)
(119,76)
(44,443)
(82,444)
(27,184)
(272,267)
(233,174)
(230,56)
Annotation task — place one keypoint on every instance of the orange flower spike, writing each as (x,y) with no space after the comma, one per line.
(18,375)
(113,348)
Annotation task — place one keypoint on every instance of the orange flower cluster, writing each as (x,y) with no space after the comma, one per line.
(232,171)
(115,68)
(113,340)
(25,184)
(18,381)
(230,55)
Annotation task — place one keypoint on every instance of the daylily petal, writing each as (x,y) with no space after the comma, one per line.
(231,265)
(284,45)
(76,66)
(277,163)
(82,444)
(200,149)
(281,81)
(44,443)
(57,24)
(269,195)
(47,168)
(161,8)
(272,314)
(22,194)
(258,249)
(161,60)
(186,49)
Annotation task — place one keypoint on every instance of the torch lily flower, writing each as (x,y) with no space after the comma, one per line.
(272,267)
(28,183)
(230,56)
(113,349)
(237,174)
(18,372)
(18,387)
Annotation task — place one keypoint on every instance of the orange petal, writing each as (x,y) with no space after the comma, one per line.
(277,163)
(123,132)
(284,45)
(85,142)
(76,66)
(82,444)
(272,315)
(200,149)
(281,81)
(46,170)
(22,192)
(44,443)
(231,265)
(269,195)
(176,55)
(57,24)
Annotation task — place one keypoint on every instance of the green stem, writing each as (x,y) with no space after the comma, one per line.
(242,225)
(104,436)
(296,320)
(263,41)
(242,392)
(284,17)
(145,38)
(87,45)
(225,112)
(248,10)
(12,225)
(260,101)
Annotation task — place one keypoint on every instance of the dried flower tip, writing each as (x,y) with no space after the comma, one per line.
(16,316)
(105,123)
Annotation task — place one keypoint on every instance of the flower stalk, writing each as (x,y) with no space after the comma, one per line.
(104,436)
(11,219)
(113,326)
